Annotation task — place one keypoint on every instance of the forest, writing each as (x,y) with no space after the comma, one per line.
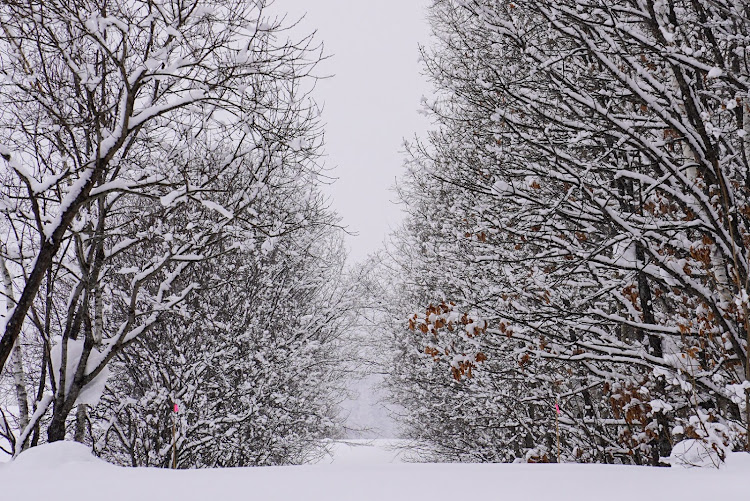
(571,281)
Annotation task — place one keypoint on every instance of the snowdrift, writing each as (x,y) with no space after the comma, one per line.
(66,471)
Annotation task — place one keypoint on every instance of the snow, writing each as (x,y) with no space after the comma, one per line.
(692,453)
(737,393)
(502,188)
(67,471)
(67,201)
(56,455)
(218,208)
(660,405)
(74,349)
(168,199)
(92,392)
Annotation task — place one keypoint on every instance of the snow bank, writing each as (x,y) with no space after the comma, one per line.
(53,456)
(694,453)
(66,471)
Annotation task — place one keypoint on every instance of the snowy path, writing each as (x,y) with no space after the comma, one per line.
(364,452)
(66,472)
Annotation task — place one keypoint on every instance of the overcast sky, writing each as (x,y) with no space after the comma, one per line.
(370,103)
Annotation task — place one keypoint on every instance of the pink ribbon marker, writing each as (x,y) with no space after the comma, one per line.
(176,409)
(557,408)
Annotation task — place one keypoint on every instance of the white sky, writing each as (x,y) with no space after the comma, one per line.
(370,103)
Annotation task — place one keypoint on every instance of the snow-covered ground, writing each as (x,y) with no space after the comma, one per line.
(66,471)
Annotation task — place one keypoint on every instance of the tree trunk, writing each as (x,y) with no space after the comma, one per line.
(81,423)
(16,359)
(56,429)
(19,380)
(661,446)
(60,412)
